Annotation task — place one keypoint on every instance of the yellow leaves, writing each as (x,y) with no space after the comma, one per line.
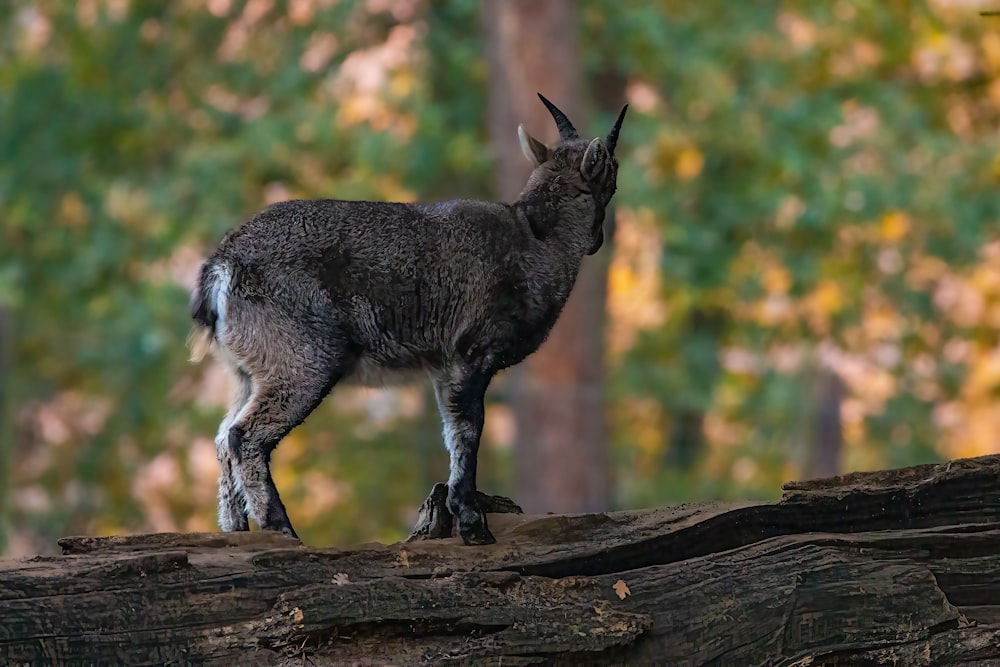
(646,424)
(621,589)
(355,110)
(369,79)
(776,279)
(986,278)
(828,297)
(402,83)
(689,163)
(130,206)
(775,307)
(378,114)
(881,321)
(991,55)
(72,210)
(673,155)
(634,301)
(984,374)
(825,301)
(969,424)
(392,189)
(958,300)
(924,271)
(895,226)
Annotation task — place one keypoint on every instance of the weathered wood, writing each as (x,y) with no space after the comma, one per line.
(896,567)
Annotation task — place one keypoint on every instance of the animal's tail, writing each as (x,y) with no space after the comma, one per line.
(208,307)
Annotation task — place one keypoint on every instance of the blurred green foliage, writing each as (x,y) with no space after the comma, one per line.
(811,170)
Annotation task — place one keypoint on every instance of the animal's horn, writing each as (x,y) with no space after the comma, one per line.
(613,134)
(566,129)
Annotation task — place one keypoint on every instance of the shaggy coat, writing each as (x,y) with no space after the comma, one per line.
(309,294)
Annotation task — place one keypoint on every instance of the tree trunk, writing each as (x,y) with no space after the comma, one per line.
(828,430)
(888,568)
(557,393)
(699,347)
(6,428)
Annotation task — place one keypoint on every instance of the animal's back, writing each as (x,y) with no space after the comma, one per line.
(405,284)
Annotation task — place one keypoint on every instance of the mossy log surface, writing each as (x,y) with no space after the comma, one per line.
(899,567)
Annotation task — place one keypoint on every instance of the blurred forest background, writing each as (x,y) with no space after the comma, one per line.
(804,275)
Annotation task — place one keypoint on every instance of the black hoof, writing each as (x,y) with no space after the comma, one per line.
(436,521)
(277,520)
(478,534)
(284,528)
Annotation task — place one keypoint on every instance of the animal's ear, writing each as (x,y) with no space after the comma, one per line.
(533,149)
(594,159)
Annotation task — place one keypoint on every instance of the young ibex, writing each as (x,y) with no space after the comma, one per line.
(307,294)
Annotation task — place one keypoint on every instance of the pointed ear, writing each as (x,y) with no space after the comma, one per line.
(533,149)
(594,159)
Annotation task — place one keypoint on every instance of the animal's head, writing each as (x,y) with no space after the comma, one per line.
(584,172)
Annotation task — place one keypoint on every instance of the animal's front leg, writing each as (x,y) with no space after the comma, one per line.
(460,393)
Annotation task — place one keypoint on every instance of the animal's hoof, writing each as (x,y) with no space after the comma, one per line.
(284,528)
(472,524)
(477,535)
(434,521)
(497,504)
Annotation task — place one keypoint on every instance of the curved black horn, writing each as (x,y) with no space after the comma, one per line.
(566,129)
(613,134)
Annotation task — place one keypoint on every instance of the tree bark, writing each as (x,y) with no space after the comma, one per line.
(896,567)
(557,394)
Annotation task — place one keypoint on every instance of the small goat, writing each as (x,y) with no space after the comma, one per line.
(307,294)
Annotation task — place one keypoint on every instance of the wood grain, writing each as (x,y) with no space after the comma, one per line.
(894,567)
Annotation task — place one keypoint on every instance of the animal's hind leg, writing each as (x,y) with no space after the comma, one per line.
(276,406)
(232,504)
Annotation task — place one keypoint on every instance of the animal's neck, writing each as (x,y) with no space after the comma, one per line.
(553,224)
(552,258)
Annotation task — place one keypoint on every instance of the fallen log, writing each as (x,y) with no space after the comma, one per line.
(896,567)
